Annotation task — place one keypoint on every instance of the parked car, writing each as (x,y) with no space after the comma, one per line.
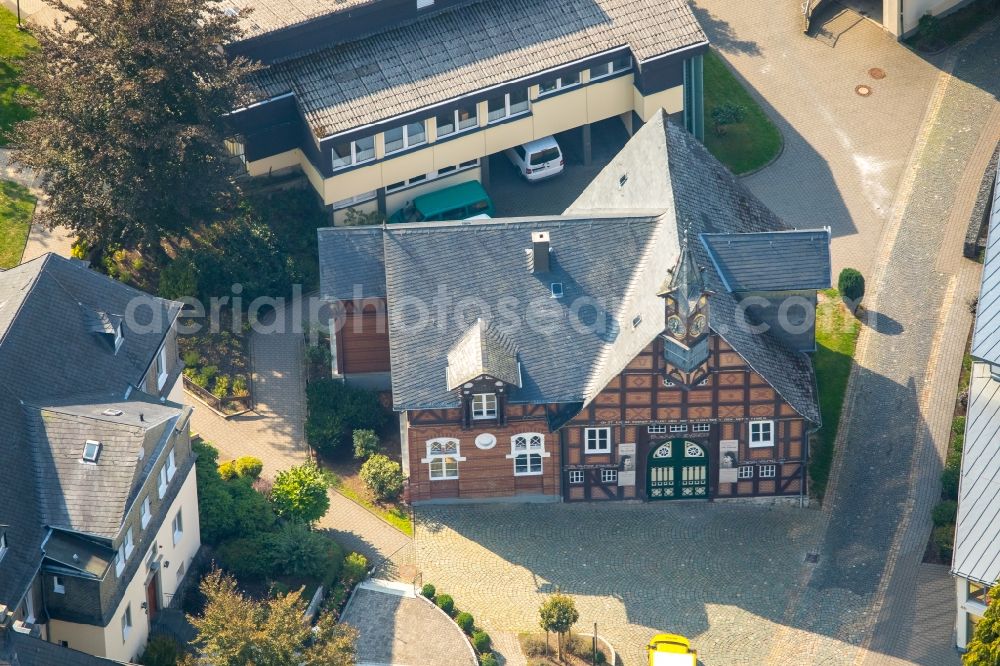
(671,650)
(465,201)
(537,159)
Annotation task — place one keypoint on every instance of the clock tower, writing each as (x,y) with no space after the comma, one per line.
(685,340)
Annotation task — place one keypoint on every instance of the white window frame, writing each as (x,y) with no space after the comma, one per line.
(657,429)
(610,68)
(407,142)
(171,465)
(744,472)
(177,526)
(3,544)
(354,155)
(161,367)
(91,460)
(678,428)
(609,475)
(767,471)
(506,108)
(126,622)
(146,512)
(161,489)
(120,561)
(57,586)
(576,476)
(559,85)
(236,148)
(119,337)
(597,436)
(757,438)
(128,545)
(456,122)
(483,411)
(349,202)
(701,427)
(438,463)
(528,453)
(424,4)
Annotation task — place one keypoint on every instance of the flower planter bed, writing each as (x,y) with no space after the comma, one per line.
(217,365)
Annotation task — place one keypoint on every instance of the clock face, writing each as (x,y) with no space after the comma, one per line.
(675,326)
(698,325)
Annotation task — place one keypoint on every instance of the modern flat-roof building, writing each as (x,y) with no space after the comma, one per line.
(373,99)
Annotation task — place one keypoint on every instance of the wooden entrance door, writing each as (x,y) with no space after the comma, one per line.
(152,599)
(677,469)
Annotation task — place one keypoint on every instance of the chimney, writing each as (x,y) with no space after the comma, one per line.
(540,252)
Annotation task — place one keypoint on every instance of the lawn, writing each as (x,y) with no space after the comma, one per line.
(16,208)
(14,44)
(353,489)
(836,336)
(745,146)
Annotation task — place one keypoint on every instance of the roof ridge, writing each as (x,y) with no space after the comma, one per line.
(33,283)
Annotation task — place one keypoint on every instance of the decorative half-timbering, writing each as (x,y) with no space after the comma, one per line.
(633,348)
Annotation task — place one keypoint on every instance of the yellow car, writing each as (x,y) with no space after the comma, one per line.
(671,650)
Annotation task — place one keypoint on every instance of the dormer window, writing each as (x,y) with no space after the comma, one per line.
(119,337)
(91,451)
(484,406)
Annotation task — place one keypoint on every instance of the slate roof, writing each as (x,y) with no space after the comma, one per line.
(452,53)
(93,498)
(977,529)
(986,336)
(483,350)
(270,15)
(777,261)
(17,649)
(357,268)
(47,352)
(611,251)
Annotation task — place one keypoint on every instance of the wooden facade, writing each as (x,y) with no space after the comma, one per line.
(362,337)
(641,412)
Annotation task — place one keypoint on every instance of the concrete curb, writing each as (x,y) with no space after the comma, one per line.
(468,641)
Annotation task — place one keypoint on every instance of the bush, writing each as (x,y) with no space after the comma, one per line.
(296,551)
(481,641)
(246,558)
(179,279)
(488,659)
(248,467)
(383,477)
(851,285)
(445,603)
(191,358)
(945,513)
(221,388)
(428,591)
(162,650)
(300,494)
(355,567)
(227,470)
(207,374)
(355,218)
(583,648)
(335,409)
(465,622)
(240,387)
(944,539)
(727,114)
(227,509)
(365,443)
(949,482)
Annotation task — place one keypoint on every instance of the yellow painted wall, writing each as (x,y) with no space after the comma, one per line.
(286,160)
(460,149)
(559,112)
(353,182)
(407,166)
(609,98)
(107,641)
(671,100)
(507,135)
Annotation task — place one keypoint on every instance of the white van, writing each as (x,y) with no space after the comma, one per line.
(537,159)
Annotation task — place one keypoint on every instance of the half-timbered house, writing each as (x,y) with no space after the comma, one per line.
(650,343)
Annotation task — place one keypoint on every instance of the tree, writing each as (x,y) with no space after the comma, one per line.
(235,631)
(727,114)
(335,410)
(851,285)
(300,494)
(383,477)
(128,132)
(365,443)
(558,613)
(984,648)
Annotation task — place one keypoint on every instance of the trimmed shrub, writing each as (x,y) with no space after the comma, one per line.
(179,279)
(227,470)
(481,641)
(248,467)
(300,494)
(383,477)
(355,567)
(945,513)
(488,659)
(335,410)
(227,509)
(727,114)
(465,622)
(428,591)
(944,539)
(365,443)
(221,388)
(851,285)
(445,603)
(162,650)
